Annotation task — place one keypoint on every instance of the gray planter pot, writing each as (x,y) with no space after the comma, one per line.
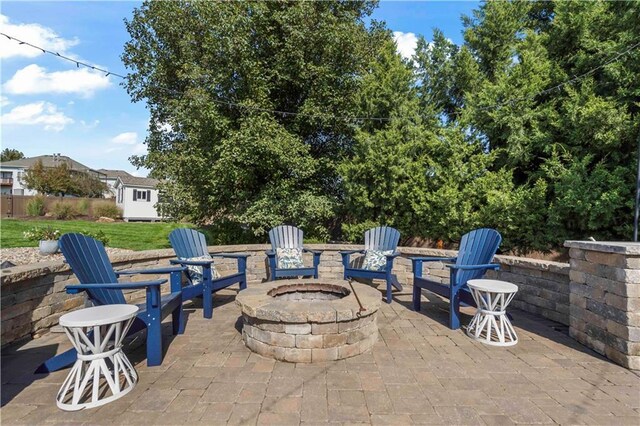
(48,246)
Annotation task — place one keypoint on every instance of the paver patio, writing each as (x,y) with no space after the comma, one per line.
(419,372)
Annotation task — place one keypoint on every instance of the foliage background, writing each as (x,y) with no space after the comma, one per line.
(470,141)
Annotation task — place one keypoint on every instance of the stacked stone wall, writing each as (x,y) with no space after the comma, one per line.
(605,299)
(33,296)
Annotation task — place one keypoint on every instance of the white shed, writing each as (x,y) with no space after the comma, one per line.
(137,197)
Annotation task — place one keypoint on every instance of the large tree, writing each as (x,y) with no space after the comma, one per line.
(9,154)
(570,148)
(213,72)
(60,180)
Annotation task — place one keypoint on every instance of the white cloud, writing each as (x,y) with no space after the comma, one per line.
(406,42)
(37,113)
(31,33)
(4,101)
(126,138)
(34,79)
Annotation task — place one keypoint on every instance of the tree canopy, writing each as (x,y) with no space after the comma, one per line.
(9,154)
(256,118)
(60,180)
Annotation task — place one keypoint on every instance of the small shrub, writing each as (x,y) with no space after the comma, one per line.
(40,234)
(97,235)
(64,210)
(35,206)
(83,207)
(107,209)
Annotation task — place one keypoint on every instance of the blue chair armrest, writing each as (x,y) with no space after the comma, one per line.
(231,255)
(77,288)
(306,250)
(270,253)
(166,270)
(433,259)
(343,252)
(192,262)
(392,255)
(473,267)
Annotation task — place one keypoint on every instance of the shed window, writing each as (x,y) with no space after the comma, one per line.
(141,195)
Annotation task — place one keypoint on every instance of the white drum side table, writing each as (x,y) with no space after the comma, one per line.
(97,334)
(490,324)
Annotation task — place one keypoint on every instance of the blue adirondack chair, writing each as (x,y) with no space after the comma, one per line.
(187,244)
(285,236)
(89,262)
(382,238)
(476,252)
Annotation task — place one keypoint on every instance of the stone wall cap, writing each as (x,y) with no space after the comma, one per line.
(621,247)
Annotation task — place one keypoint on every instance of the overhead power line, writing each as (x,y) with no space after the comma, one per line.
(239,105)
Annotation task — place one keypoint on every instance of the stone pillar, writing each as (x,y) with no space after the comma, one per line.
(605,299)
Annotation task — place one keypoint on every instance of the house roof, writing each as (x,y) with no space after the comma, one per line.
(138,181)
(49,161)
(114,174)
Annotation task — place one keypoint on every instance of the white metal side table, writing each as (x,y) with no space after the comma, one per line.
(102,373)
(490,325)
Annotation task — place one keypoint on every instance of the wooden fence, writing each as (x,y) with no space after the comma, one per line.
(16,205)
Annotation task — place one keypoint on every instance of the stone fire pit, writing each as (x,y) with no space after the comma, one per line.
(309,320)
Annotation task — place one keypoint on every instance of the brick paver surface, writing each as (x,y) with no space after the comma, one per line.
(419,372)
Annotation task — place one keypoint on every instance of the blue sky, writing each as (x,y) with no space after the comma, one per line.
(48,105)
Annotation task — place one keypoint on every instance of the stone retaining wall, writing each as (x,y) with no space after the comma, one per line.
(605,299)
(33,296)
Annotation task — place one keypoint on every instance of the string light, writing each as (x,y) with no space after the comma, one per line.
(78,63)
(347,119)
(561,85)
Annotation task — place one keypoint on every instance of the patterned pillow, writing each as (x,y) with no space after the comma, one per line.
(375,260)
(195,271)
(289,258)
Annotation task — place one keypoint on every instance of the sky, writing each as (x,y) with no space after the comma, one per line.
(48,105)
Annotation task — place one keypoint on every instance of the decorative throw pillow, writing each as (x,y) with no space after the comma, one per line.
(195,271)
(375,260)
(289,258)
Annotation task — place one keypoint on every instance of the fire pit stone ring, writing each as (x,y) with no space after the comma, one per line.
(304,320)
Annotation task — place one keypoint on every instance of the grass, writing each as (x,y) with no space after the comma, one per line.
(125,235)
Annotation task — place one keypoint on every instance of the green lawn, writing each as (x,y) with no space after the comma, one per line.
(133,236)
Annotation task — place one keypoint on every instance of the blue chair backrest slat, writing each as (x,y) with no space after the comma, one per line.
(188,243)
(286,236)
(89,262)
(477,248)
(381,238)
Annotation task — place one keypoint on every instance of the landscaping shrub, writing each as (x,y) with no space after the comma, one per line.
(97,235)
(107,209)
(64,210)
(42,234)
(35,206)
(83,207)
